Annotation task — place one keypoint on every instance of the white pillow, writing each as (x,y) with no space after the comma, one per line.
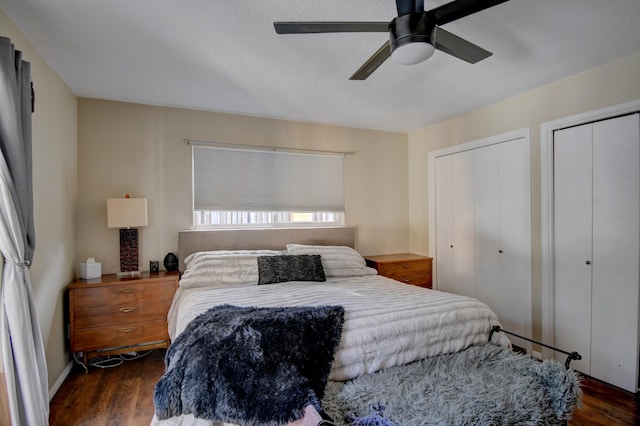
(337,261)
(223,268)
(194,257)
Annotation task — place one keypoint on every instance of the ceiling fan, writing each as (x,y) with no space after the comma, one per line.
(413,35)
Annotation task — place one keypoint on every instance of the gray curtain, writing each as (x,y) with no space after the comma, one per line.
(23,352)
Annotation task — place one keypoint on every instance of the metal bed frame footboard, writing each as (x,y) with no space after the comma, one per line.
(570,355)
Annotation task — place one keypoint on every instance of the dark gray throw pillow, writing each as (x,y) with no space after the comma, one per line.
(277,269)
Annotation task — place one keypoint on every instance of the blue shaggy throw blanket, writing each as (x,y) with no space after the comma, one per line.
(249,365)
(482,385)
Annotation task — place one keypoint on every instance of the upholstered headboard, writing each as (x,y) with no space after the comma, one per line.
(191,241)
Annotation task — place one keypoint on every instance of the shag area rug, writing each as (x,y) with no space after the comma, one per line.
(249,366)
(482,385)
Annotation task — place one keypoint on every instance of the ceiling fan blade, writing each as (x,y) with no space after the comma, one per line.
(330,27)
(409,6)
(459,9)
(459,47)
(372,63)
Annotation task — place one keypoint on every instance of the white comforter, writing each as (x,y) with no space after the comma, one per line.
(387,323)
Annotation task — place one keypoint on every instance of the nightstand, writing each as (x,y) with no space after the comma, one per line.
(112,315)
(408,268)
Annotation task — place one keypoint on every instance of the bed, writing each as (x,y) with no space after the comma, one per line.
(246,277)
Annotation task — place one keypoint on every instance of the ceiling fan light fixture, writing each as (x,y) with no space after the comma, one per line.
(412,38)
(412,53)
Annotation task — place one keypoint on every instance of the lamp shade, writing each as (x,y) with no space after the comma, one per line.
(126,212)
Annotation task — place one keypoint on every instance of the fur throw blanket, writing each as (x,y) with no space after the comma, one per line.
(249,365)
(481,385)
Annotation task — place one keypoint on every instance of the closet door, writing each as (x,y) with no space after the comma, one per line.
(455,223)
(572,158)
(502,229)
(597,247)
(444,223)
(616,251)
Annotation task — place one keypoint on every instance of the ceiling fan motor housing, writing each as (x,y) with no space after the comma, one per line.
(411,28)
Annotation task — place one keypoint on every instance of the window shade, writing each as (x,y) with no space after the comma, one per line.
(230,179)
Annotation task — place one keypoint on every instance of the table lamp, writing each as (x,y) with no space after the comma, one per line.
(128,214)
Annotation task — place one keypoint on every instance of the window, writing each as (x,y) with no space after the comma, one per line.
(243,187)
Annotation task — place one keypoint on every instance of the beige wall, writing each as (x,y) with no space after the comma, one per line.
(600,87)
(54,194)
(139,149)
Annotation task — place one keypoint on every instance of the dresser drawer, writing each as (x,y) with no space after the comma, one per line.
(120,314)
(122,294)
(396,270)
(89,339)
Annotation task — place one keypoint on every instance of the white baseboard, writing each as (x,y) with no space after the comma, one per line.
(56,386)
(536,355)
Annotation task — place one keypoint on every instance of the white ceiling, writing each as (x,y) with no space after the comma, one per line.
(224,55)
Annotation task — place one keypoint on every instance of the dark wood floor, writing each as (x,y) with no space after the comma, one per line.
(603,404)
(124,396)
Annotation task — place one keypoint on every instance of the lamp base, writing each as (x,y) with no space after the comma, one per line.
(128,250)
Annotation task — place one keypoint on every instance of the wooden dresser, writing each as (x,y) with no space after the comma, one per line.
(113,315)
(408,268)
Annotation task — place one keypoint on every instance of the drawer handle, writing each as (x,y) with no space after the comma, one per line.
(128,329)
(406,280)
(405,266)
(127,309)
(126,290)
